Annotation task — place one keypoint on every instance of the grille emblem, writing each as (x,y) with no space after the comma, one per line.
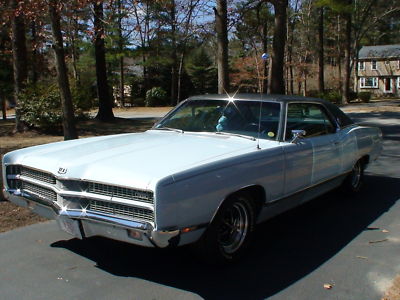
(62,170)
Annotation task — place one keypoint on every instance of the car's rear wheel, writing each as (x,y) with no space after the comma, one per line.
(354,181)
(229,234)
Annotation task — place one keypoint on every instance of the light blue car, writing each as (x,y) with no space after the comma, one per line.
(206,174)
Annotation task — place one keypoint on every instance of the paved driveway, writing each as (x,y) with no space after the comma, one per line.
(333,239)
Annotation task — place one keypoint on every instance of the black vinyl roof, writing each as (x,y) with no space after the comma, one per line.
(259,97)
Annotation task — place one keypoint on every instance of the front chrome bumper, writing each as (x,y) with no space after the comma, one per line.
(81,223)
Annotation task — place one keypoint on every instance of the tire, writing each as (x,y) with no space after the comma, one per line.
(354,181)
(228,236)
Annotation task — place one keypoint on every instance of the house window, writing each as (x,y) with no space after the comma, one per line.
(369,82)
(398,82)
(361,65)
(387,62)
(373,65)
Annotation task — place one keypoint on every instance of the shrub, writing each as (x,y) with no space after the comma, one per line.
(332,96)
(156,97)
(353,96)
(40,106)
(139,102)
(315,94)
(364,96)
(82,98)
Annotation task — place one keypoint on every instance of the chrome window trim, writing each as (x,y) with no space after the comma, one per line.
(325,110)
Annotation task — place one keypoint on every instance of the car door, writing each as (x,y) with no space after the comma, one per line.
(321,132)
(298,155)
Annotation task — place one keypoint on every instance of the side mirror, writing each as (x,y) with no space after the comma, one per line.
(297,135)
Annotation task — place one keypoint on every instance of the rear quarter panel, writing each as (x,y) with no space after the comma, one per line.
(369,142)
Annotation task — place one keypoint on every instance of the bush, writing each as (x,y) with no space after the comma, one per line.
(364,96)
(156,97)
(315,94)
(331,96)
(82,98)
(40,106)
(139,102)
(353,96)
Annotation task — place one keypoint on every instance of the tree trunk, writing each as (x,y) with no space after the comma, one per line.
(290,31)
(62,76)
(321,85)
(142,44)
(105,113)
(276,82)
(74,52)
(180,71)
(121,59)
(121,81)
(20,61)
(221,26)
(264,34)
(174,55)
(355,66)
(347,55)
(34,76)
(339,56)
(3,107)
(183,50)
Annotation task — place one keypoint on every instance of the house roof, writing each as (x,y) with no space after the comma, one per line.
(381,51)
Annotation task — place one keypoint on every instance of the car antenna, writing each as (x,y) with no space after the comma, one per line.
(264,57)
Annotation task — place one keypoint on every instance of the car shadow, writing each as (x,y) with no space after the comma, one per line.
(286,248)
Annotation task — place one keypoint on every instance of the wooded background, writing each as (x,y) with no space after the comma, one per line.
(61,58)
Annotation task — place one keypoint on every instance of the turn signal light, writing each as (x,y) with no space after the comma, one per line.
(135,234)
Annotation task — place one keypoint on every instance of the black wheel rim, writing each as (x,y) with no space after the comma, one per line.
(234,228)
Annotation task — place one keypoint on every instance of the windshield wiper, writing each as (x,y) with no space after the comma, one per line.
(169,129)
(236,134)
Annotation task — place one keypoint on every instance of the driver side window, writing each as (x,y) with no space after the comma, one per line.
(309,117)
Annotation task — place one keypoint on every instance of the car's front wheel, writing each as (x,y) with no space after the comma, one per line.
(229,234)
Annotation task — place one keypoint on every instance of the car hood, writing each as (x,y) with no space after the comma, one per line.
(137,159)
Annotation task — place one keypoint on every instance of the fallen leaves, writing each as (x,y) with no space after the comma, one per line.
(328,286)
(393,293)
(377,241)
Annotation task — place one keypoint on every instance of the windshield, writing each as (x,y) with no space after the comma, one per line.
(223,116)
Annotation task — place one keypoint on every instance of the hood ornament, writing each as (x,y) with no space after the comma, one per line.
(62,170)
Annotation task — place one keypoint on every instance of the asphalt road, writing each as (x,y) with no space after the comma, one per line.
(333,240)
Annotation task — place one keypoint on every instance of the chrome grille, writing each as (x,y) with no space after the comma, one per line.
(120,210)
(120,192)
(39,191)
(38,175)
(12,172)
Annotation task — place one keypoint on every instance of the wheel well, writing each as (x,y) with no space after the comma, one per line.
(365,161)
(257,193)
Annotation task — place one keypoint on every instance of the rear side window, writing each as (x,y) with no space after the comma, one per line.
(309,117)
(341,118)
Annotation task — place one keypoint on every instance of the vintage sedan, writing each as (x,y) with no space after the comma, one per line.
(206,173)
